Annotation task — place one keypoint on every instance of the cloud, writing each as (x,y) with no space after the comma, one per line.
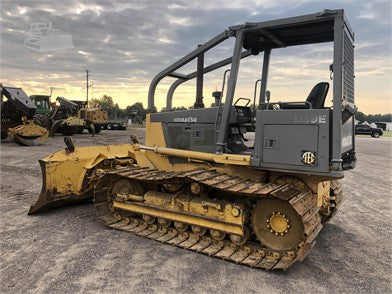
(125,43)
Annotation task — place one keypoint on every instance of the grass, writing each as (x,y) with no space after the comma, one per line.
(387,134)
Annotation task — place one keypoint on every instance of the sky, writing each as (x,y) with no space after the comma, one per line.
(125,43)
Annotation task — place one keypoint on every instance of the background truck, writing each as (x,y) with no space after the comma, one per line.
(368,130)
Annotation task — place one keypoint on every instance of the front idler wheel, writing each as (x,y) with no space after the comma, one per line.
(122,187)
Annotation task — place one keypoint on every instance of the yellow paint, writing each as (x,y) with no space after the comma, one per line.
(95,115)
(65,172)
(215,215)
(278,223)
(29,130)
(323,191)
(154,133)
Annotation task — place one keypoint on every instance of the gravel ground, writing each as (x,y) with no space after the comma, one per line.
(69,249)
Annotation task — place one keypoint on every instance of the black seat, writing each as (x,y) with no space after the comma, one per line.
(316,97)
(318,94)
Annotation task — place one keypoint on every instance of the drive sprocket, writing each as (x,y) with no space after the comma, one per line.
(276,224)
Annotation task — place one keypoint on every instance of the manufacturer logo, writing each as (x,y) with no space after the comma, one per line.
(185,119)
(308,158)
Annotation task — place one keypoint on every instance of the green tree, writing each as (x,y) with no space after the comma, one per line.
(136,112)
(361,117)
(163,109)
(106,103)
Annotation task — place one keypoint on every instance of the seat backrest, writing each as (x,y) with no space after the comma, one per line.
(318,94)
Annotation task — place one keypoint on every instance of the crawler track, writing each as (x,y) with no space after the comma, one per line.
(334,202)
(252,253)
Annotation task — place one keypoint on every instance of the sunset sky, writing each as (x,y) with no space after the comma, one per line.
(125,43)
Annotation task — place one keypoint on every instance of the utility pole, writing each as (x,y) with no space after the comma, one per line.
(87,85)
(92,90)
(51,92)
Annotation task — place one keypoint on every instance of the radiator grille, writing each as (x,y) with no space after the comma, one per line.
(348,69)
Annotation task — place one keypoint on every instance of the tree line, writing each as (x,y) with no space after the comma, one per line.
(361,117)
(137,111)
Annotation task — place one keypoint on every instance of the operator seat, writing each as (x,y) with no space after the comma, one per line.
(316,97)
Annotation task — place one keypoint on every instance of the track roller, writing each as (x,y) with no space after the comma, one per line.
(198,231)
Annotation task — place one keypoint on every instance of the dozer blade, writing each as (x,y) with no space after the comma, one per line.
(69,176)
(26,141)
(28,134)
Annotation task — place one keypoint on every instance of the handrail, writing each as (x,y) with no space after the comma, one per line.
(184,60)
(254,102)
(291,102)
(255,93)
(207,69)
(241,98)
(220,100)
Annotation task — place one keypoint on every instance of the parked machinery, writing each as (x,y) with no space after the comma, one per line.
(69,117)
(63,119)
(17,112)
(96,119)
(42,102)
(195,184)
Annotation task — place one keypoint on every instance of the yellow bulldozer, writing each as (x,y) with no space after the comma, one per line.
(198,184)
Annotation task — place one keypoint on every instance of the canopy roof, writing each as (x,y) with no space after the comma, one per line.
(301,30)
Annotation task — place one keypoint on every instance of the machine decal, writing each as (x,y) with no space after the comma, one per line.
(313,119)
(347,141)
(185,119)
(308,157)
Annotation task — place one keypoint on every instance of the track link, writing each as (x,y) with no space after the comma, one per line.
(334,202)
(252,253)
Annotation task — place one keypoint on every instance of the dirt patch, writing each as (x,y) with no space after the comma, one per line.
(70,250)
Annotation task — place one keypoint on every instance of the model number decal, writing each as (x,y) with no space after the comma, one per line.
(185,119)
(312,119)
(347,141)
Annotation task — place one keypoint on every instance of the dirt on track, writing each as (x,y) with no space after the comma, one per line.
(68,250)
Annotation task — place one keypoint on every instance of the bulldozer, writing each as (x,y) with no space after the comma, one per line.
(17,112)
(195,184)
